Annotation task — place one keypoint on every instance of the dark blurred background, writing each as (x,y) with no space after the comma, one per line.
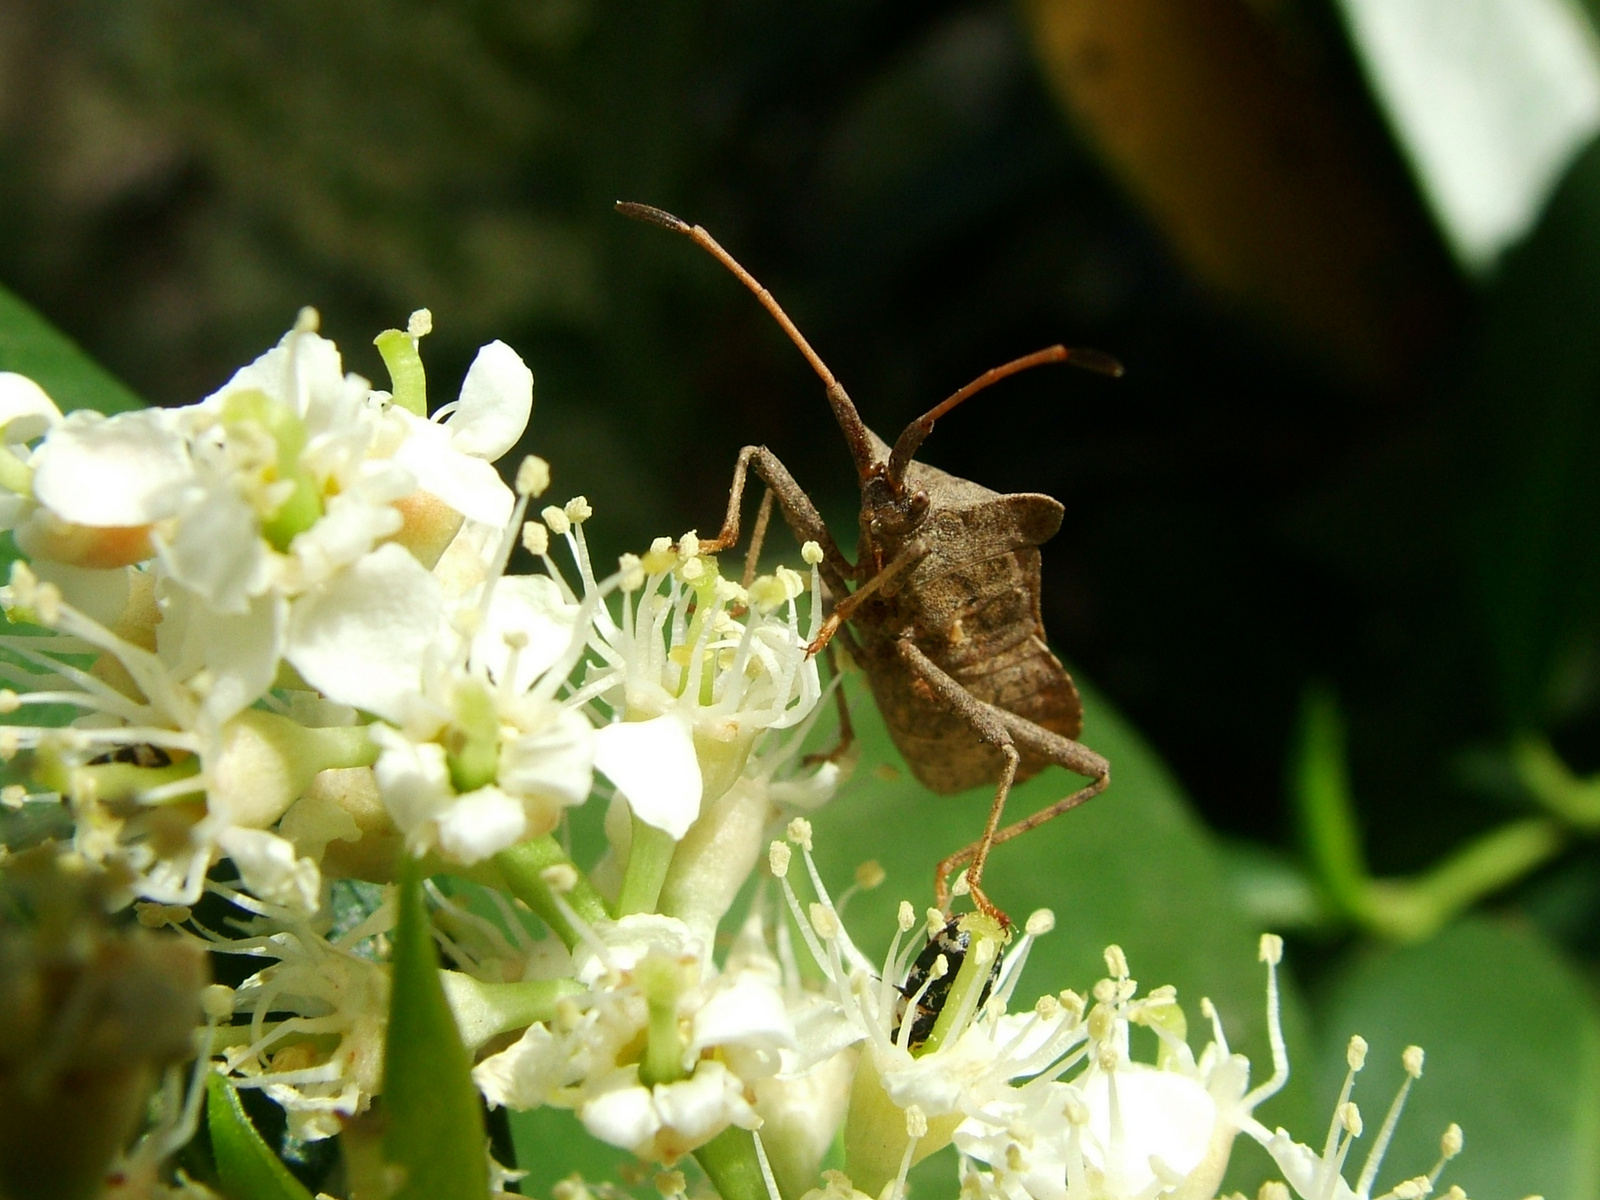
(1334,458)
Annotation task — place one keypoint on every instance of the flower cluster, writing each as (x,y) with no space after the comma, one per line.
(266,645)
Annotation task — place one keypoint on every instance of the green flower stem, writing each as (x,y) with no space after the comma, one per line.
(729,1161)
(1321,787)
(1414,909)
(1575,801)
(486,1010)
(523,867)
(649,856)
(400,356)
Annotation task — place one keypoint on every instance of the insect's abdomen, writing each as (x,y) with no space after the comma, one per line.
(980,624)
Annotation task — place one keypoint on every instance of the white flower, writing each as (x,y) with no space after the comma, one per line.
(714,858)
(482,753)
(324,1062)
(363,637)
(106,472)
(657,1055)
(289,473)
(692,672)
(166,771)
(1316,1176)
(1051,1105)
(653,762)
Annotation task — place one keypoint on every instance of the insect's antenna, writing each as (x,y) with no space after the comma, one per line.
(844,409)
(909,442)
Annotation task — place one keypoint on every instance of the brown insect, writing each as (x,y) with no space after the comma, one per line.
(945,607)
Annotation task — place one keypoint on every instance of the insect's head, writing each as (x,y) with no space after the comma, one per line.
(891,505)
(890,508)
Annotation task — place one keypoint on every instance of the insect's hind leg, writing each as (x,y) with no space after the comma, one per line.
(1063,751)
(986,721)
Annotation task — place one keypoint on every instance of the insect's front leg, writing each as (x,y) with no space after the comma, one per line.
(885,581)
(798,511)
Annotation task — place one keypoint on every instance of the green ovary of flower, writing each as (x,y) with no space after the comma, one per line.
(303,505)
(472,743)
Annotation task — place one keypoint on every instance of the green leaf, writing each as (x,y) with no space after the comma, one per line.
(248,1168)
(552,1144)
(433,1124)
(1513,1056)
(31,346)
(1134,867)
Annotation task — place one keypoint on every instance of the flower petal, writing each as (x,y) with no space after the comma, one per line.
(1162,1115)
(528,607)
(553,763)
(269,868)
(480,824)
(26,411)
(238,650)
(362,637)
(121,470)
(466,483)
(748,1012)
(217,550)
(413,780)
(653,763)
(624,1117)
(496,401)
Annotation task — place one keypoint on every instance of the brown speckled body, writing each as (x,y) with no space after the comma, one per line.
(940,606)
(972,605)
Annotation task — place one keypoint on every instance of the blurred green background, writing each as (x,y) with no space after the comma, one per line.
(1353,457)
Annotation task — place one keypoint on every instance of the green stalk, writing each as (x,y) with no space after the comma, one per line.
(658,978)
(523,866)
(1414,909)
(486,1010)
(649,856)
(729,1161)
(1576,801)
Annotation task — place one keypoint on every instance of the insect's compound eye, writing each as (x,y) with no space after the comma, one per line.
(918,504)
